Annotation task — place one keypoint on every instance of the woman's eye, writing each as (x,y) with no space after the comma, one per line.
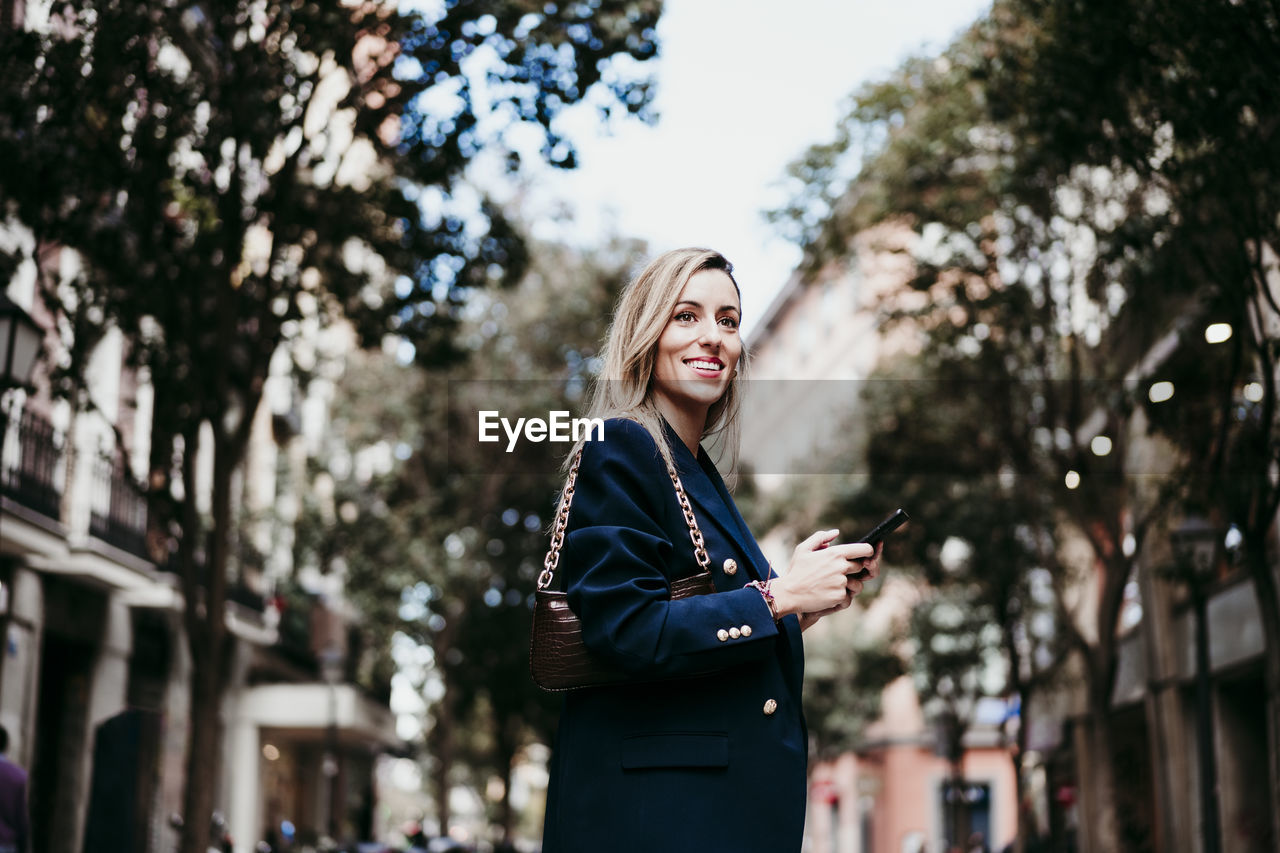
(729,322)
(685,316)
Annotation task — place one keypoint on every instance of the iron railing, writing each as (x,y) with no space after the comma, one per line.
(30,453)
(118,510)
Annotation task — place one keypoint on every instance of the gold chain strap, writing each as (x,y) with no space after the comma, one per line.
(695,534)
(562,522)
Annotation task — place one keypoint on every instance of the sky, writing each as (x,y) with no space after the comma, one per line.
(742,90)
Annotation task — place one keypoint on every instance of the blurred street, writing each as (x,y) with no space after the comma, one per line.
(300,302)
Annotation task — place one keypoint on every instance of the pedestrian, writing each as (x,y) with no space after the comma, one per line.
(703,746)
(14,831)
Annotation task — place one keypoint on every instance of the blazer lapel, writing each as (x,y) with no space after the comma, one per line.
(759,565)
(713,505)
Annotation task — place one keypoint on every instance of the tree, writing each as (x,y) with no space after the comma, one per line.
(953,638)
(444,549)
(1029,304)
(844,679)
(983,535)
(533,352)
(1180,96)
(225,170)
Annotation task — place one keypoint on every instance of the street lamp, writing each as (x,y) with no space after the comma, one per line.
(20,338)
(951,709)
(331,662)
(1195,549)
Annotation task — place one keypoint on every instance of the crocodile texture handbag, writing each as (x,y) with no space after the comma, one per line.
(558,658)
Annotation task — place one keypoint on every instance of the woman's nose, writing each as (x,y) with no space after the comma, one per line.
(711,334)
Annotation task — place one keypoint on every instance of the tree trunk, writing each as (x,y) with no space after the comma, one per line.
(1103,828)
(506,759)
(442,737)
(955,731)
(1019,783)
(506,817)
(955,811)
(202,758)
(1018,687)
(205,612)
(441,741)
(1102,820)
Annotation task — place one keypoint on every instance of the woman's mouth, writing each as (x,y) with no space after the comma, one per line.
(706,367)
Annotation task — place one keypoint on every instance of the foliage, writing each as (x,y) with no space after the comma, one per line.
(444,546)
(532,352)
(845,674)
(230,174)
(1192,115)
(1008,435)
(1179,95)
(354,519)
(1091,185)
(956,639)
(977,434)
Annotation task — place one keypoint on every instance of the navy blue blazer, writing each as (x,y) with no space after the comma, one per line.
(707,748)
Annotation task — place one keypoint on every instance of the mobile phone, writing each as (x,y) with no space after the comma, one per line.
(881,530)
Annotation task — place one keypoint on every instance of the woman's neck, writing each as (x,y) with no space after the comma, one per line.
(688,424)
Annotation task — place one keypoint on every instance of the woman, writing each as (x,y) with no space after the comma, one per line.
(706,749)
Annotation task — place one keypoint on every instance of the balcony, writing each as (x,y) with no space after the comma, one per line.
(118,510)
(309,631)
(239,591)
(30,456)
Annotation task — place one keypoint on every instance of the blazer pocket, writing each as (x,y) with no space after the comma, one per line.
(672,749)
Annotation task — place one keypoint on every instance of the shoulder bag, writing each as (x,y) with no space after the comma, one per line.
(558,659)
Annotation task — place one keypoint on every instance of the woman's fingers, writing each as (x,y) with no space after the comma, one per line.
(868,568)
(818,539)
(853,550)
(816,580)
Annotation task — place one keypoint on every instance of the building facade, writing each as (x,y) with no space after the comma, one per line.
(892,793)
(94,689)
(95,671)
(811,355)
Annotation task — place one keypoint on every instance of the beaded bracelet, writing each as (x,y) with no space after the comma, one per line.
(763,587)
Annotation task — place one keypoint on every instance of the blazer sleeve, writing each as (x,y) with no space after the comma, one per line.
(620,556)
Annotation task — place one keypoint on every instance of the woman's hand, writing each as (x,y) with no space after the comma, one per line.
(853,586)
(816,582)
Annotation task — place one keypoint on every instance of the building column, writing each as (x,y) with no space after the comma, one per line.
(244,800)
(1167,721)
(19,691)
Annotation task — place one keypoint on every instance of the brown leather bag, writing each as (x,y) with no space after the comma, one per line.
(558,659)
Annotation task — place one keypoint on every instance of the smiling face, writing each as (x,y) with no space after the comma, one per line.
(698,350)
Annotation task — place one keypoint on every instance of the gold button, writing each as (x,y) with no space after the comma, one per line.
(722,635)
(731,566)
(746,630)
(770,706)
(735,633)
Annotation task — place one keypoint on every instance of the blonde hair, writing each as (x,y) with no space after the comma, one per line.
(624,387)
